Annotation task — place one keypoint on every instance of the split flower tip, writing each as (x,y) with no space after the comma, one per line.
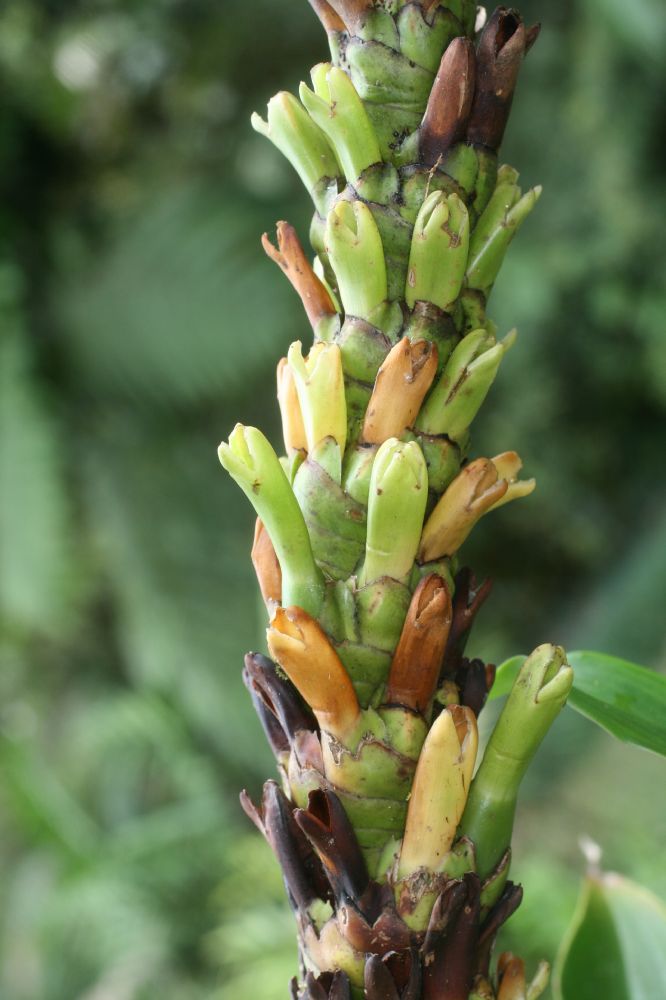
(418,656)
(400,388)
(301,647)
(292,260)
(439,793)
(320,388)
(396,506)
(289,127)
(356,253)
(336,108)
(478,488)
(293,431)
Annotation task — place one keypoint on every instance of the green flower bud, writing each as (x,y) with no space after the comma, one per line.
(439,251)
(537,696)
(321,393)
(485,259)
(250,460)
(338,111)
(463,385)
(396,506)
(356,254)
(303,143)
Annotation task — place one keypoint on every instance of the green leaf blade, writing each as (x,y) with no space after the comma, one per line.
(616,945)
(623,698)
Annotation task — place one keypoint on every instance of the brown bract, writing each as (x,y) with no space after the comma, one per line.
(330,20)
(418,657)
(266,566)
(450,101)
(351,12)
(502,46)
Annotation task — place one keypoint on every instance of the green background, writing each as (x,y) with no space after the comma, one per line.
(139,321)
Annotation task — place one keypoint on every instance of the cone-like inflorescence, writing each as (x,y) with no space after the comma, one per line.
(395,854)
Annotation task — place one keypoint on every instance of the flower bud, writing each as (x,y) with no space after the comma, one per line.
(485,259)
(475,490)
(305,654)
(439,793)
(463,385)
(338,111)
(502,46)
(538,695)
(299,139)
(251,462)
(400,387)
(356,254)
(396,505)
(266,566)
(321,393)
(439,250)
(417,660)
(293,430)
(450,101)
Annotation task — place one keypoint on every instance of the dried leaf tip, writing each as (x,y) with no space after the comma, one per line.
(291,258)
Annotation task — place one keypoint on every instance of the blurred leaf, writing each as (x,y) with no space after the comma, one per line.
(616,946)
(626,700)
(47,809)
(35,556)
(183,305)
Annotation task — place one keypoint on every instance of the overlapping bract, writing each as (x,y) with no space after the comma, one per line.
(387,844)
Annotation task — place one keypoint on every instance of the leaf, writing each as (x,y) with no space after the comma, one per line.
(626,700)
(36,560)
(616,945)
(182,305)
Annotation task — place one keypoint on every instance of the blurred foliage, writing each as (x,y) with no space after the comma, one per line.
(139,321)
